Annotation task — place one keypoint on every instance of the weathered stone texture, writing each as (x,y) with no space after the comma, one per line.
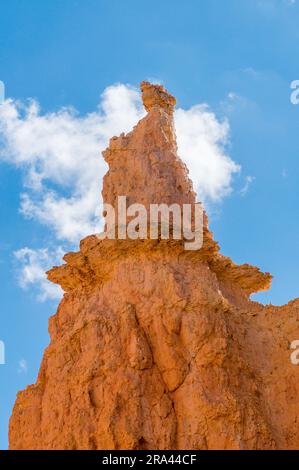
(155,347)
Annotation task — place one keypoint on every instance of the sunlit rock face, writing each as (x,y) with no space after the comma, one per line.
(154,346)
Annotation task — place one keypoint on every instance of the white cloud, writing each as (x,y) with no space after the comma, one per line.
(23,366)
(33,265)
(201,144)
(248,181)
(59,155)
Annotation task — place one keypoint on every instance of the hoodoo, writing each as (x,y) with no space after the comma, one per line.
(154,346)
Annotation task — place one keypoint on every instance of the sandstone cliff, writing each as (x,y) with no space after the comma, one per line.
(156,347)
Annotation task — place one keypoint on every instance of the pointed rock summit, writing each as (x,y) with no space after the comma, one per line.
(154,346)
(156,95)
(144,164)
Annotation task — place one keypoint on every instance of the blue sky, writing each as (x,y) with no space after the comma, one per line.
(237,56)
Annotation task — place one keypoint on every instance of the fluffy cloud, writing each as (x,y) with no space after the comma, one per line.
(59,155)
(201,144)
(32,267)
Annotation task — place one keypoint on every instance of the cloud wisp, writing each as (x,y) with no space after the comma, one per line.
(248,181)
(23,366)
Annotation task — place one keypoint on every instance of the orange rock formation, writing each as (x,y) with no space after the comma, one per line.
(156,347)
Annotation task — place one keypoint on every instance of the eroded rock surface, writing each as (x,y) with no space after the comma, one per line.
(156,347)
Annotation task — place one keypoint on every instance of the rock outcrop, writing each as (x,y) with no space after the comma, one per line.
(154,346)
